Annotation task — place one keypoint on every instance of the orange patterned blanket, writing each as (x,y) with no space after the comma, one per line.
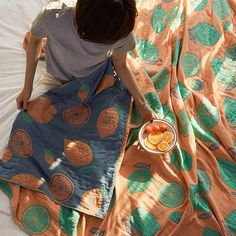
(185,62)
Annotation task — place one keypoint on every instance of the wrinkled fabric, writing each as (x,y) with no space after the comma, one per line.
(70,141)
(185,64)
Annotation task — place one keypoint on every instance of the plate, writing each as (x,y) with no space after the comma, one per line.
(157,141)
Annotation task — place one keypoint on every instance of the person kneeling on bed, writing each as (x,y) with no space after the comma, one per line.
(80,39)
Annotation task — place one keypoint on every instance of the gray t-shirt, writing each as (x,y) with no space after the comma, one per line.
(67,55)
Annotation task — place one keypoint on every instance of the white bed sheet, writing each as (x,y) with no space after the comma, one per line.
(16,17)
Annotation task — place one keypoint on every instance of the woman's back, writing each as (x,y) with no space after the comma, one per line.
(67,55)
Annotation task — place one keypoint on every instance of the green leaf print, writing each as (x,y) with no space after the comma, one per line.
(181,159)
(113,200)
(158,20)
(210,232)
(36,219)
(135,116)
(199,202)
(205,34)
(207,114)
(177,51)
(184,92)
(6,189)
(184,124)
(88,168)
(204,182)
(230,221)
(168,114)
(175,217)
(172,195)
(228,26)
(48,153)
(202,133)
(231,53)
(161,79)
(197,85)
(221,8)
(180,91)
(144,222)
(190,64)
(120,110)
(85,87)
(224,70)
(139,180)
(227,172)
(146,50)
(154,102)
(133,137)
(230,110)
(68,220)
(198,5)
(26,117)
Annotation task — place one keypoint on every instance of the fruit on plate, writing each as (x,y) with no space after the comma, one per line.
(167,137)
(158,137)
(155,138)
(163,146)
(149,145)
(148,129)
(155,128)
(163,127)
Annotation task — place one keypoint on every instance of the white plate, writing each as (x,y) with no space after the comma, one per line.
(142,136)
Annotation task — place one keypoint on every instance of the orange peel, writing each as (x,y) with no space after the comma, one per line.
(163,146)
(168,137)
(149,145)
(155,138)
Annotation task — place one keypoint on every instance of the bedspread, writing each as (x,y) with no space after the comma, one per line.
(185,63)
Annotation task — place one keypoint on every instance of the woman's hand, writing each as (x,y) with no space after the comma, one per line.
(126,75)
(146,112)
(33,49)
(23,98)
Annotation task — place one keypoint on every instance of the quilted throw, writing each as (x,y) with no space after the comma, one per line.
(70,142)
(185,63)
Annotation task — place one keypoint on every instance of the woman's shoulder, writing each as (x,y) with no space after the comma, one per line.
(55,13)
(125,44)
(58,7)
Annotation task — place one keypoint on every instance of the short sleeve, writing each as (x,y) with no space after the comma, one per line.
(125,44)
(38,25)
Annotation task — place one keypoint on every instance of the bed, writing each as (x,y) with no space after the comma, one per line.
(185,63)
(16,18)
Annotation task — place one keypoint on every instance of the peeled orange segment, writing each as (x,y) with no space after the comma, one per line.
(168,137)
(149,145)
(163,146)
(155,138)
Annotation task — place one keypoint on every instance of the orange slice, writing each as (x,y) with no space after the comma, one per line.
(168,137)
(155,138)
(163,146)
(149,145)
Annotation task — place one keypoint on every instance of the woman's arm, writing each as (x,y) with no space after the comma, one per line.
(32,53)
(126,75)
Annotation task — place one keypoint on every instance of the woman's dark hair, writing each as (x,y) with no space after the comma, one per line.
(105,21)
